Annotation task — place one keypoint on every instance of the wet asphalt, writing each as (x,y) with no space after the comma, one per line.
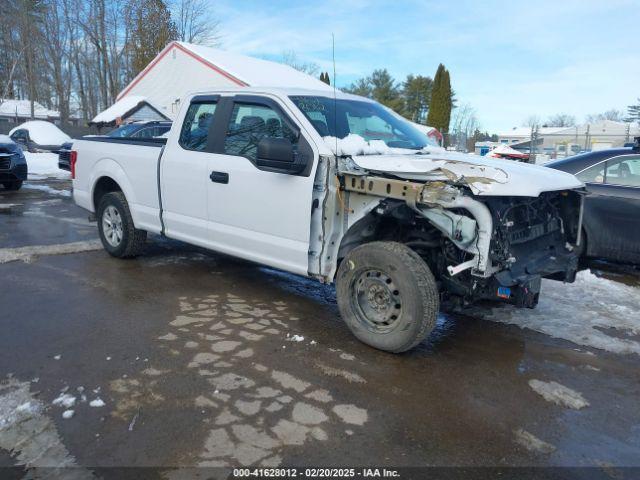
(194,356)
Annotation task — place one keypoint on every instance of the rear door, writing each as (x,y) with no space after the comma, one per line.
(612,211)
(183,174)
(256,214)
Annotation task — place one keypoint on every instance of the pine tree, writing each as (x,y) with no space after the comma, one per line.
(416,91)
(385,90)
(151,30)
(324,77)
(441,101)
(633,112)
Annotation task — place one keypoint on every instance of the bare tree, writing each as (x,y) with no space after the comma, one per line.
(463,125)
(196,23)
(613,114)
(561,120)
(290,57)
(532,121)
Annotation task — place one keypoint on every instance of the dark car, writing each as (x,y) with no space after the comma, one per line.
(13,165)
(612,209)
(140,130)
(38,136)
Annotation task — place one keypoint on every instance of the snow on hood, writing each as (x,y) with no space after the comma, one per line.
(484,176)
(43,133)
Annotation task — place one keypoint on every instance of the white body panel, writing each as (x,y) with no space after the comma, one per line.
(133,167)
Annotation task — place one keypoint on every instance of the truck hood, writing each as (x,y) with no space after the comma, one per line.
(484,176)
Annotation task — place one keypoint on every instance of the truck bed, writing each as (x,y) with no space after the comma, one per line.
(129,162)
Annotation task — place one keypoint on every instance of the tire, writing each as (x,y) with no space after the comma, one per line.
(118,234)
(13,185)
(387,296)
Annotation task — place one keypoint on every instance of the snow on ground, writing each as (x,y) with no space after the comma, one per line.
(43,165)
(48,189)
(43,133)
(30,436)
(559,394)
(593,311)
(25,254)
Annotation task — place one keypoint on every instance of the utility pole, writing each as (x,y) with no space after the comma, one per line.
(628,131)
(586,138)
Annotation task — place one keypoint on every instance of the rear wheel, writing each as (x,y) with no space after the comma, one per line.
(13,185)
(387,296)
(118,234)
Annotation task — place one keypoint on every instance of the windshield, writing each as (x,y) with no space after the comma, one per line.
(124,131)
(371,121)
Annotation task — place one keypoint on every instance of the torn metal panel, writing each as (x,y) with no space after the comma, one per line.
(484,176)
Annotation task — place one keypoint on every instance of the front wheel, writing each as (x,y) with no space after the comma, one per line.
(14,185)
(118,234)
(387,296)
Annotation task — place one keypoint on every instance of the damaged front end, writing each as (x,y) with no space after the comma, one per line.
(478,247)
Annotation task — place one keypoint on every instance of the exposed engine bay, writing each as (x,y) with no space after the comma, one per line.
(477,247)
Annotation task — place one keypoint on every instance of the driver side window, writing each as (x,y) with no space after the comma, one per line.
(249,124)
(624,171)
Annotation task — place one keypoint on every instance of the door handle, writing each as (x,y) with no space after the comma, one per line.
(219,177)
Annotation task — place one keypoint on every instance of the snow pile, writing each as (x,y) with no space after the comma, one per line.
(295,338)
(97,403)
(582,312)
(354,144)
(43,133)
(64,400)
(558,394)
(42,165)
(119,109)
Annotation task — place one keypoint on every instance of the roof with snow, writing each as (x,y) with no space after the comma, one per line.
(517,132)
(22,108)
(242,70)
(124,108)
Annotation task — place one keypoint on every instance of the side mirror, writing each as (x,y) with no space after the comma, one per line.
(277,155)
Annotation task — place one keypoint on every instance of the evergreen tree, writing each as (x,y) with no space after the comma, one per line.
(385,91)
(416,91)
(324,77)
(633,112)
(361,87)
(441,101)
(151,30)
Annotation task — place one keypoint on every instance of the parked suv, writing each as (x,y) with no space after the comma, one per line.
(13,165)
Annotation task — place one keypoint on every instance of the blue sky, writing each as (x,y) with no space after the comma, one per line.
(508,59)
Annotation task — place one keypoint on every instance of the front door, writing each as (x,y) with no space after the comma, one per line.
(255,214)
(612,210)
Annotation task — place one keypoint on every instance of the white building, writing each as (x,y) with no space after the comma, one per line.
(183,67)
(558,142)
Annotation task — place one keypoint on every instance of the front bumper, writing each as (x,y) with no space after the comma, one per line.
(13,169)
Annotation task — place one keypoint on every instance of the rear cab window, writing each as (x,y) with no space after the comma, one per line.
(194,133)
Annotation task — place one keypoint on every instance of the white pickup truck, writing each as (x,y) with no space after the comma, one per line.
(338,188)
